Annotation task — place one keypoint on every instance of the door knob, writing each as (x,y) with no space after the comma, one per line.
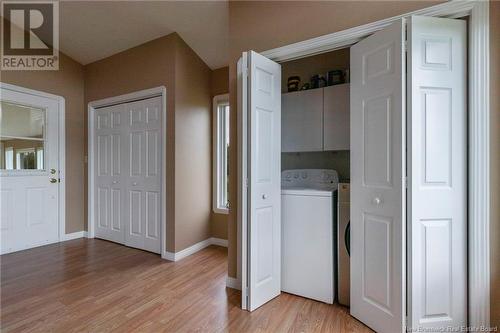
(264,196)
(52,171)
(53,180)
(115,182)
(377,201)
(134,183)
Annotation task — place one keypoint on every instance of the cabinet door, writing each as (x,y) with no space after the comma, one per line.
(336,117)
(302,121)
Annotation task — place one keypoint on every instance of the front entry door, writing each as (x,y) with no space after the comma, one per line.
(377,180)
(127,164)
(29,170)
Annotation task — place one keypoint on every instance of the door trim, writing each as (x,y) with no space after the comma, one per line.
(62,149)
(478,135)
(134,96)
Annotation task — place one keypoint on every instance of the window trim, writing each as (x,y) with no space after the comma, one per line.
(217,101)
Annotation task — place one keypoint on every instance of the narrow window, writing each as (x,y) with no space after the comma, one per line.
(9,158)
(221,153)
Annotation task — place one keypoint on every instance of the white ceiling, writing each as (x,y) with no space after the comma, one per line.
(93,30)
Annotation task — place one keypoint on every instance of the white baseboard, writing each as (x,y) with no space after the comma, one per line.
(74,235)
(233,283)
(218,241)
(176,256)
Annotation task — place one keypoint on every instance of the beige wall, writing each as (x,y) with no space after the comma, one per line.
(169,62)
(68,83)
(193,132)
(495,161)
(220,85)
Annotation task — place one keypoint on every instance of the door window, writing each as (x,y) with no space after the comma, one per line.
(22,137)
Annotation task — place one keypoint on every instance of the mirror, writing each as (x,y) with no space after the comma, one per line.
(22,137)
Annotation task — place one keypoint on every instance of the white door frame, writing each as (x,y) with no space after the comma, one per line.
(143,94)
(478,136)
(62,149)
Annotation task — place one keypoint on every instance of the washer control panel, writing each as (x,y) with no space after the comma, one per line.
(321,179)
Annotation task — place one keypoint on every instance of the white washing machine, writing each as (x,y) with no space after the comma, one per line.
(307,234)
(344,244)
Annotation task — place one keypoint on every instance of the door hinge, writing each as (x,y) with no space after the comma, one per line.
(246,182)
(406,45)
(406,182)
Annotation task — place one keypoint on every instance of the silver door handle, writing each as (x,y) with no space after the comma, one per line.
(115,182)
(377,201)
(134,183)
(264,196)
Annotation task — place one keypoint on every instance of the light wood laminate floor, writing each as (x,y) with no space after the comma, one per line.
(90,285)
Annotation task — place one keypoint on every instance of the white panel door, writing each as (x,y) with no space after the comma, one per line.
(377,184)
(437,165)
(110,173)
(264,107)
(143,156)
(29,186)
(128,157)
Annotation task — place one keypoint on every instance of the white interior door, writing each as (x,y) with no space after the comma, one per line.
(29,175)
(264,158)
(437,166)
(377,180)
(110,167)
(128,155)
(144,174)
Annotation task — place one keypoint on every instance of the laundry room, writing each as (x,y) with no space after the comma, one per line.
(315,176)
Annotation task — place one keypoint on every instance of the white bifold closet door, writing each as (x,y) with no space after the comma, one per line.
(128,157)
(437,171)
(261,104)
(425,139)
(377,179)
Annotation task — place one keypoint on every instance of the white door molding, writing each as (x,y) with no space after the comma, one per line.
(62,148)
(478,137)
(138,95)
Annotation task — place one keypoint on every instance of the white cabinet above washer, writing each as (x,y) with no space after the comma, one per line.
(336,120)
(302,121)
(315,120)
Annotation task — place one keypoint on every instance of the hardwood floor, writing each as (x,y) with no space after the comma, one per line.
(90,285)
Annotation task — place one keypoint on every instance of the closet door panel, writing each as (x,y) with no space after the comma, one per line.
(109,181)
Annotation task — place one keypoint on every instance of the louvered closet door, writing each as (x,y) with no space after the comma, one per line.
(128,173)
(143,156)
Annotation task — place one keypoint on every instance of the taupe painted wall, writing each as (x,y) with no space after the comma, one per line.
(220,85)
(168,61)
(68,83)
(261,26)
(193,132)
